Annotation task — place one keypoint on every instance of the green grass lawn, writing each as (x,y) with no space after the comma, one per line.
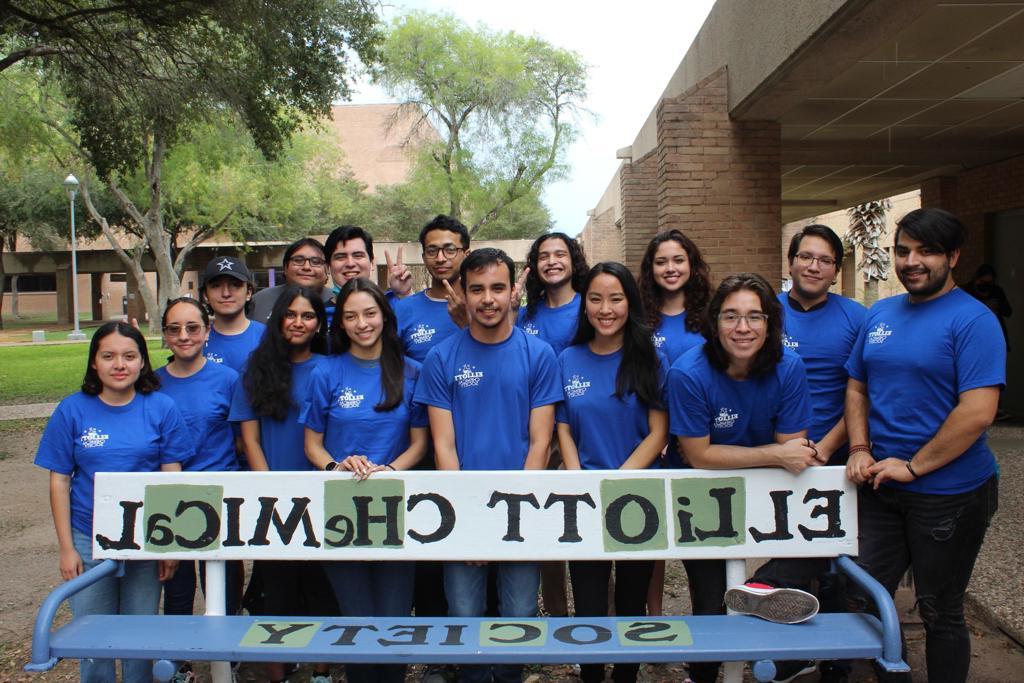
(41,373)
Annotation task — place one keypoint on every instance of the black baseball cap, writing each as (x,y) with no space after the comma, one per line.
(226,265)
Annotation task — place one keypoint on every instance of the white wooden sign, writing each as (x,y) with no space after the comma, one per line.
(649,514)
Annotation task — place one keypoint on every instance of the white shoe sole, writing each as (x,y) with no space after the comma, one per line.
(780,605)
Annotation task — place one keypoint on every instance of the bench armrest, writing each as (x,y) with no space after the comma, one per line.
(892,646)
(41,658)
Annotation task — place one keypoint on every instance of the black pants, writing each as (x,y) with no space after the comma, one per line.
(590,594)
(939,536)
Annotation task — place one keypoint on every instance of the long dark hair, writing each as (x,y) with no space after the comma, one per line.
(771,353)
(392,357)
(638,371)
(147,381)
(534,286)
(697,289)
(268,376)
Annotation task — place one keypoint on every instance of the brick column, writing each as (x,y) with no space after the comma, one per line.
(718,180)
(602,238)
(136,304)
(96,295)
(639,201)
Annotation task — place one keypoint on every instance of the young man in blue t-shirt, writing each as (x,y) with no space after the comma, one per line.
(427,318)
(349,253)
(226,287)
(925,378)
(463,378)
(821,327)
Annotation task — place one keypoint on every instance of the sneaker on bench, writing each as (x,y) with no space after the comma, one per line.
(781,605)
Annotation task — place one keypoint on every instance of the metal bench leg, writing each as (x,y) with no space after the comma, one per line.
(216,606)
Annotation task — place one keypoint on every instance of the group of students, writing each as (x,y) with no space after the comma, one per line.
(596,370)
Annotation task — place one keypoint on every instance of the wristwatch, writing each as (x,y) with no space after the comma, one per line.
(331,466)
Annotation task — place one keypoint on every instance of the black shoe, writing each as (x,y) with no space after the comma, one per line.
(788,671)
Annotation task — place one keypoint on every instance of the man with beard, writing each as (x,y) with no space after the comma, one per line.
(463,379)
(556,269)
(428,317)
(925,378)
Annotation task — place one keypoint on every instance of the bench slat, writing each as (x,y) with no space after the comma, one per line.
(543,641)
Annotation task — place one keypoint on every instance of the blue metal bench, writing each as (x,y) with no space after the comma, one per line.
(731,639)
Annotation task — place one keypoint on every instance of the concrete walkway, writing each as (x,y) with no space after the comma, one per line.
(26,411)
(995,588)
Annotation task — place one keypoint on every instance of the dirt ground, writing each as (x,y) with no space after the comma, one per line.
(28,571)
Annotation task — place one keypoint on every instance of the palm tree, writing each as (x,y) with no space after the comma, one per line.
(867,225)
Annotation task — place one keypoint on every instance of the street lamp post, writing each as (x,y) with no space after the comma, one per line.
(71,183)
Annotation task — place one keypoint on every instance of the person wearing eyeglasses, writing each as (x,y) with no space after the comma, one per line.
(429,317)
(202,390)
(741,400)
(304,266)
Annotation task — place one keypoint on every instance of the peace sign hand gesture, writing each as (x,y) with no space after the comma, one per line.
(399,275)
(456,306)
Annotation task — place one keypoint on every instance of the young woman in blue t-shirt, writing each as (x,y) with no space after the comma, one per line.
(613,417)
(675,285)
(267,402)
(360,419)
(202,390)
(117,423)
(742,400)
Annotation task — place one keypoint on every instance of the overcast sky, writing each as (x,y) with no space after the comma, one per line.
(632,48)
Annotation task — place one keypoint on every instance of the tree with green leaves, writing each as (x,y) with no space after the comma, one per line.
(504,105)
(273,67)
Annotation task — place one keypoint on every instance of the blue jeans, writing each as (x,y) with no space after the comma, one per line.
(465,587)
(373,589)
(180,589)
(137,592)
(939,536)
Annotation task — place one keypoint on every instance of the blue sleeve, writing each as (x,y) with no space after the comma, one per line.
(417,411)
(855,363)
(316,405)
(433,389)
(979,361)
(689,414)
(175,441)
(545,387)
(56,450)
(560,413)
(794,414)
(241,411)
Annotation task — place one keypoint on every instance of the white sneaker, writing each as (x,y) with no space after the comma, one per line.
(781,605)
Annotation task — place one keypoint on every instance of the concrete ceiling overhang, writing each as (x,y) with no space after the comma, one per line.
(886,94)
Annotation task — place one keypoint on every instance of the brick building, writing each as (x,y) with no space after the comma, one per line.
(784,110)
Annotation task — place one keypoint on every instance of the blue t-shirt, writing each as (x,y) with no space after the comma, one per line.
(556,326)
(606,429)
(283,441)
(85,436)
(490,390)
(703,401)
(423,323)
(204,400)
(673,339)
(823,338)
(342,394)
(233,350)
(916,360)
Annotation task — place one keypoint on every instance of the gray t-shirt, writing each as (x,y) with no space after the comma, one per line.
(263,301)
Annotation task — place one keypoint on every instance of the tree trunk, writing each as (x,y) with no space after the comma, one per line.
(870,292)
(14,297)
